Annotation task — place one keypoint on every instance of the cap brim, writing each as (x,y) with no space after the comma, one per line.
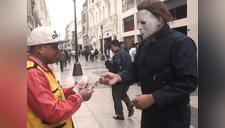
(59,42)
(56,42)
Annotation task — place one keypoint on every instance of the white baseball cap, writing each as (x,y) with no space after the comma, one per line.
(44,35)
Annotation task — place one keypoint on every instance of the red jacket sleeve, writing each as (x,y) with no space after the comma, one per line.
(42,102)
(68,91)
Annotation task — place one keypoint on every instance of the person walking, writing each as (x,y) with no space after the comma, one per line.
(69,55)
(166,66)
(86,54)
(107,53)
(92,55)
(120,61)
(48,105)
(62,60)
(96,54)
(66,53)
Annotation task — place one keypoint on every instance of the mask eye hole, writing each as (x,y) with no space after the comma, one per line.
(143,22)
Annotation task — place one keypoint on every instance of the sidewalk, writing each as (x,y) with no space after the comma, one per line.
(98,111)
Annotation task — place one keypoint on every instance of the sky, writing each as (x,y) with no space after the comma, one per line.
(62,12)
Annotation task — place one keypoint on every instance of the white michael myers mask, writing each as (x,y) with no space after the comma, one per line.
(147,23)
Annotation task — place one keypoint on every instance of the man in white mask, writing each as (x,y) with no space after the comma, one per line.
(147,23)
(165,65)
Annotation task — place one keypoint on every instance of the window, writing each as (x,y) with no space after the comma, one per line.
(182,29)
(127,4)
(128,23)
(179,12)
(129,40)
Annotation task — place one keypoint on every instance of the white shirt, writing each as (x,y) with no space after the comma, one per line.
(132,53)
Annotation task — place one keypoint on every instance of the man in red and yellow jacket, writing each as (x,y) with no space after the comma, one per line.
(48,105)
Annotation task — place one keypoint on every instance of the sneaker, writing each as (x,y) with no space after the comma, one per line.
(118,117)
(131,112)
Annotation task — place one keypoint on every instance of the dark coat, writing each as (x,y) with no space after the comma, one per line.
(127,50)
(86,53)
(121,60)
(167,69)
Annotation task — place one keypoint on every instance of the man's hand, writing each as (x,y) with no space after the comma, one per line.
(109,78)
(143,101)
(77,87)
(86,93)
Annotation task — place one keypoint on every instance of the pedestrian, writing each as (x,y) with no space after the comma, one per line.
(166,66)
(48,105)
(73,54)
(62,59)
(120,60)
(96,54)
(66,53)
(107,53)
(132,52)
(69,55)
(92,55)
(129,47)
(81,52)
(122,45)
(86,54)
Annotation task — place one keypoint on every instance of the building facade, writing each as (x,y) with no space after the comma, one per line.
(85,26)
(184,11)
(82,34)
(103,23)
(37,15)
(105,20)
(69,36)
(119,20)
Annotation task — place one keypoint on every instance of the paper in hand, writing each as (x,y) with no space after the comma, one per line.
(82,82)
(94,85)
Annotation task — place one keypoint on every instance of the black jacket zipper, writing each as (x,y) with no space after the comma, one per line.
(156,75)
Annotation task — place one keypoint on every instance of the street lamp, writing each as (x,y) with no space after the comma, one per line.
(77,71)
(102,55)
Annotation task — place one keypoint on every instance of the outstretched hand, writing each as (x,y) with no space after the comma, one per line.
(109,78)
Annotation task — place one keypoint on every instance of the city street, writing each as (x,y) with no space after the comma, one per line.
(98,111)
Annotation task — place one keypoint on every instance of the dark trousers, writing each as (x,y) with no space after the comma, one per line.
(119,93)
(61,65)
(86,58)
(92,57)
